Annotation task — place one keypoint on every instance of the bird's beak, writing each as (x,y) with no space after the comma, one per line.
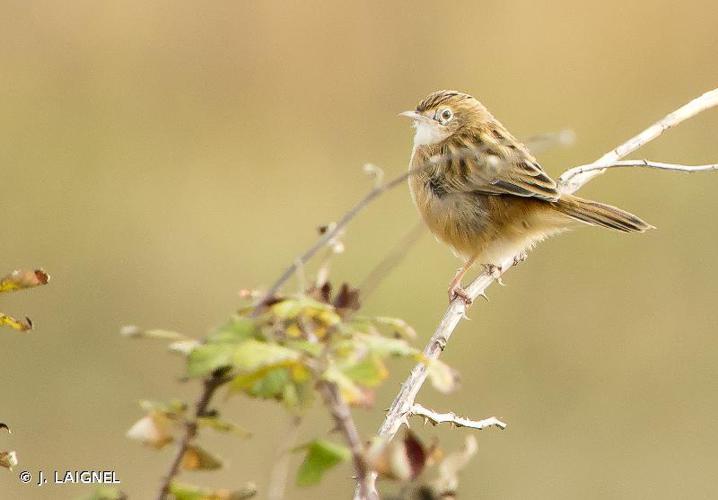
(417,117)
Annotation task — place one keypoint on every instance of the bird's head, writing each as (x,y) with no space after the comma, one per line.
(444,113)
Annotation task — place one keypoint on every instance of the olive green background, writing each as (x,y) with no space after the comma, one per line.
(157,157)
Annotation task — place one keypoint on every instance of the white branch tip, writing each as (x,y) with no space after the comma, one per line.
(453,419)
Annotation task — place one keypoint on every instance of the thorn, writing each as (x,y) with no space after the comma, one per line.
(484,296)
(520,257)
(493,270)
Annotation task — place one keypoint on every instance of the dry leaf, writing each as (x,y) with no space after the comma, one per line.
(154,429)
(21,279)
(8,459)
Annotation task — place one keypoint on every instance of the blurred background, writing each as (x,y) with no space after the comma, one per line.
(157,157)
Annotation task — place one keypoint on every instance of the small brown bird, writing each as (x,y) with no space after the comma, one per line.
(481,191)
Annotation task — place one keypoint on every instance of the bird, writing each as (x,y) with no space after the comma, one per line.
(481,191)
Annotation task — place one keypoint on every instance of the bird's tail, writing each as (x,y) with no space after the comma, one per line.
(599,214)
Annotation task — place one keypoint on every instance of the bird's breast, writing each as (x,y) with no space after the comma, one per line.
(458,219)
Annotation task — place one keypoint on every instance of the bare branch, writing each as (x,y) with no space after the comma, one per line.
(676,167)
(436,418)
(572,181)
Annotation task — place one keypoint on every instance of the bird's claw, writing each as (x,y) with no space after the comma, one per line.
(457,292)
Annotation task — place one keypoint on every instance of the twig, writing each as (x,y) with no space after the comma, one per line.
(210,385)
(581,169)
(345,424)
(280,469)
(331,233)
(569,182)
(451,418)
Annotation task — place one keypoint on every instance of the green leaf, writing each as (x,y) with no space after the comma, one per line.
(220,425)
(207,358)
(369,372)
(314,349)
(349,391)
(252,355)
(383,346)
(291,309)
(236,330)
(275,383)
(321,456)
(395,325)
(264,384)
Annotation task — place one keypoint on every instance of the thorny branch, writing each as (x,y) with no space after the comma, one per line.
(452,418)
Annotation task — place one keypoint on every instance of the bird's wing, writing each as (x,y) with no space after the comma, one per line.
(494,163)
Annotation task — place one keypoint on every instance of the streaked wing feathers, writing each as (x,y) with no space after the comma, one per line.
(503,167)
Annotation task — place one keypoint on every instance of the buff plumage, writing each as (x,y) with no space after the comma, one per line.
(481,191)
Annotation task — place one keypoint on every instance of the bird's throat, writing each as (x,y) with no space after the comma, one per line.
(428,133)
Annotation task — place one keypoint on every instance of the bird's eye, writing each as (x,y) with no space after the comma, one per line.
(445,116)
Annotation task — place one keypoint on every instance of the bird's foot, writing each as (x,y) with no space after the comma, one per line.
(520,257)
(456,291)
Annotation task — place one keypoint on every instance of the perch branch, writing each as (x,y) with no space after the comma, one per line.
(569,182)
(452,418)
